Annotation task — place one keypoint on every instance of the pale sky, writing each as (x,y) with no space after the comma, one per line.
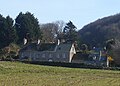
(80,12)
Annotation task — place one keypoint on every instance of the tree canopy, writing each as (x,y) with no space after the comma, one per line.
(101,30)
(69,31)
(27,26)
(7,31)
(50,31)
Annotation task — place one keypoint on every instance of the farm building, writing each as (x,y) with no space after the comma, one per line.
(96,57)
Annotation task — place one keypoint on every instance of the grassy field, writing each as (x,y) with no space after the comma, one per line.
(20,74)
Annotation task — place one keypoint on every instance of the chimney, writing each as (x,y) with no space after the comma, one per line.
(38,41)
(25,41)
(58,43)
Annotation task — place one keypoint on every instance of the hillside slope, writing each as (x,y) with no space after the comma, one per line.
(98,32)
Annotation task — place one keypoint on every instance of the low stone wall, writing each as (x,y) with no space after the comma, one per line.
(71,65)
(63,64)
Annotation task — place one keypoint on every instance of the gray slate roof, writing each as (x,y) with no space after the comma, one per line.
(63,47)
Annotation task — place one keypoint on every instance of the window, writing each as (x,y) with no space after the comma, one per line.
(64,56)
(58,56)
(33,55)
(59,48)
(36,55)
(22,55)
(50,55)
(43,55)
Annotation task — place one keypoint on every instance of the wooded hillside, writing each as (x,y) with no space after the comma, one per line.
(98,32)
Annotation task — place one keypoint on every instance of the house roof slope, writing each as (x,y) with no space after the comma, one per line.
(64,47)
(39,47)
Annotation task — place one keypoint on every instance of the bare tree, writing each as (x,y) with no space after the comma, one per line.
(51,31)
(61,24)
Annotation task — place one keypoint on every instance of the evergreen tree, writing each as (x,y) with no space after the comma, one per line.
(2,31)
(7,31)
(27,26)
(70,33)
(12,36)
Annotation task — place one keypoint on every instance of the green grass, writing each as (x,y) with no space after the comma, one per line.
(20,74)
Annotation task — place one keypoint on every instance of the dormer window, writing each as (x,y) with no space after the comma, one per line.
(50,55)
(59,48)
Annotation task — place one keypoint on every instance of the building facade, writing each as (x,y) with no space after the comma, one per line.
(48,52)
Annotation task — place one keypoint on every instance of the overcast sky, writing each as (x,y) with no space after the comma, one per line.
(80,12)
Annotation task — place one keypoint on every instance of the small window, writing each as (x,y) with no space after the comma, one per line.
(59,48)
(22,55)
(64,56)
(58,55)
(33,55)
(43,55)
(36,55)
(50,55)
